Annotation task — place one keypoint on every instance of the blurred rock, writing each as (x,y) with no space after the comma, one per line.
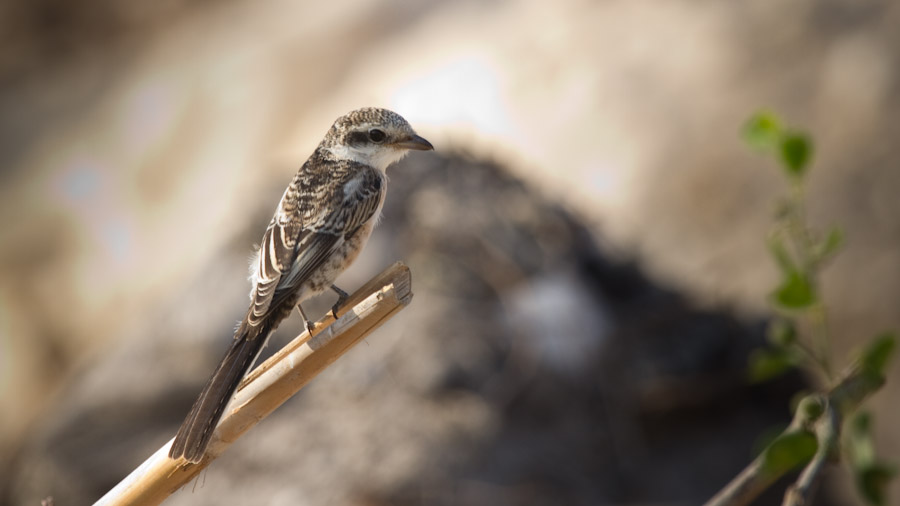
(529,369)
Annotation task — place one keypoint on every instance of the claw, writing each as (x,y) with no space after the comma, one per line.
(309,325)
(342,297)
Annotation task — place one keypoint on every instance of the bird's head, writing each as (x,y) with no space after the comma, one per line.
(372,136)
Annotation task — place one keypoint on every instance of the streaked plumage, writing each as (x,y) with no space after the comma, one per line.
(321,224)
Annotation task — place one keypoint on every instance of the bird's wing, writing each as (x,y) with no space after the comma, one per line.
(311,221)
(307,228)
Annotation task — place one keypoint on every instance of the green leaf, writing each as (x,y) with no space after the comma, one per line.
(780,253)
(812,407)
(831,244)
(766,438)
(872,475)
(795,292)
(878,353)
(796,151)
(762,131)
(768,363)
(789,451)
(861,424)
(797,398)
(781,333)
(873,480)
(861,450)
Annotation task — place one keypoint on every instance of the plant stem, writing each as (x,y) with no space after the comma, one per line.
(816,315)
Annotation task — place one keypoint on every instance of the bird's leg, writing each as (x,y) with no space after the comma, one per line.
(342,297)
(309,324)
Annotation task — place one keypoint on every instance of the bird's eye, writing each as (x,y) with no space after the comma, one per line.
(377,135)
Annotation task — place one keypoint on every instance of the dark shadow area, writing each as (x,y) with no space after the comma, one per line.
(589,384)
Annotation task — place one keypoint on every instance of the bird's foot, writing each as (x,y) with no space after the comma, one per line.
(309,325)
(342,297)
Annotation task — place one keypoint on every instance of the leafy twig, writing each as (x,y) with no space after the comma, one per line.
(813,437)
(810,439)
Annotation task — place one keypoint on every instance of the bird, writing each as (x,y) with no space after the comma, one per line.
(321,224)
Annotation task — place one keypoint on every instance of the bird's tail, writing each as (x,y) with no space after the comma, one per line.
(197,429)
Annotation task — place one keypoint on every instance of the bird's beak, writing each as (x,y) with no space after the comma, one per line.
(414,142)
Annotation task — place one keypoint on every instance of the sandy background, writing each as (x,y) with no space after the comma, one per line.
(139,143)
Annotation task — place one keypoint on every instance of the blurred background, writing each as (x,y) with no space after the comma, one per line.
(586,242)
